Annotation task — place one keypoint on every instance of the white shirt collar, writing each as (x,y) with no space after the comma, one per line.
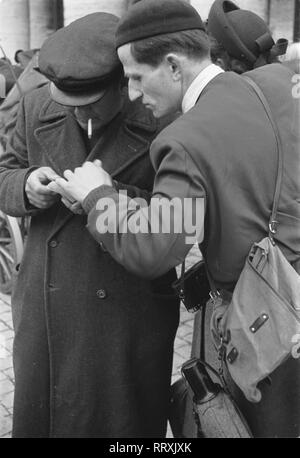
(194,90)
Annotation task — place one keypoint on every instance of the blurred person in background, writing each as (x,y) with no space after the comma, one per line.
(241,40)
(25,82)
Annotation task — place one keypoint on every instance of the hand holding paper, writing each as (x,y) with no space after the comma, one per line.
(75,186)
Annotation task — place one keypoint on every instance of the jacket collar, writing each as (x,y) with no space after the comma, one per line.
(51,110)
(198,85)
(59,138)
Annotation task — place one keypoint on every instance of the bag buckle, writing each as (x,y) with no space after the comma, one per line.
(259,322)
(273,226)
(215,296)
(232,355)
(272,230)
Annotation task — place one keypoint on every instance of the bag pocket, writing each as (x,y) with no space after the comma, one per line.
(257,328)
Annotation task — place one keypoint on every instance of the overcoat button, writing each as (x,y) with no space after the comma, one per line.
(53,243)
(101,293)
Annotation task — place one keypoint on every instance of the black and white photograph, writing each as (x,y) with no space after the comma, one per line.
(150,221)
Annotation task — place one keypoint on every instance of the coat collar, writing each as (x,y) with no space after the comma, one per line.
(51,110)
(59,137)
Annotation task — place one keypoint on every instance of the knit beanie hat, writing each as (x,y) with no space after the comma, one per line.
(148,18)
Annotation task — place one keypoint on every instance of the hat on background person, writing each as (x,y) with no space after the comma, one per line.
(24,57)
(148,18)
(80,60)
(242,33)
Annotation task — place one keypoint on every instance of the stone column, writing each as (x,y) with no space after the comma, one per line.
(74,9)
(14,26)
(41,14)
(296,36)
(282,18)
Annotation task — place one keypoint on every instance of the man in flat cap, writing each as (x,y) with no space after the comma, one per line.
(222,155)
(93,343)
(242,39)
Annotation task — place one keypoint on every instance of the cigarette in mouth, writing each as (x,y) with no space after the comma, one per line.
(90,128)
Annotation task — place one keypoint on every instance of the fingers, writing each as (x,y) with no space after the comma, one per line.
(38,203)
(49,173)
(89,164)
(97,162)
(37,191)
(74,186)
(38,180)
(39,200)
(53,186)
(44,184)
(61,182)
(73,207)
(36,186)
(62,187)
(66,202)
(68,174)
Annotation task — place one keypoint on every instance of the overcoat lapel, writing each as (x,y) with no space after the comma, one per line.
(63,148)
(60,138)
(118,147)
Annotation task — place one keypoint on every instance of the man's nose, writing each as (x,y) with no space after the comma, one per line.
(133,92)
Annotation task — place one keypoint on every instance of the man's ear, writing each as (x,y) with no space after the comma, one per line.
(175,65)
(221,63)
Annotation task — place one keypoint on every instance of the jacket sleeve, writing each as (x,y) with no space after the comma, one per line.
(133,191)
(150,239)
(14,171)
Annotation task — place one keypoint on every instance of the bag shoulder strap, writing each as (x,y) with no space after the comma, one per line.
(272,222)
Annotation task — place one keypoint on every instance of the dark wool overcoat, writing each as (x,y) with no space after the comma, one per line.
(93,343)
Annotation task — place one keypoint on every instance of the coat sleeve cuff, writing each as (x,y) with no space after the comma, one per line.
(27,205)
(22,207)
(92,198)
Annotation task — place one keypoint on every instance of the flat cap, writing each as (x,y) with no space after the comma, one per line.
(242,33)
(148,18)
(81,59)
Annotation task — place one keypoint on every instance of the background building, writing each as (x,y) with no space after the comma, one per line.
(279,14)
(24,24)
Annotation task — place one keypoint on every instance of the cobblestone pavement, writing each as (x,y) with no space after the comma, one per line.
(181,354)
(6,371)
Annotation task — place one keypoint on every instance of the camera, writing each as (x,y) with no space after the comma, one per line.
(193,287)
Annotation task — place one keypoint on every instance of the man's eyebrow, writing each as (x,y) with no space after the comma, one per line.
(132,75)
